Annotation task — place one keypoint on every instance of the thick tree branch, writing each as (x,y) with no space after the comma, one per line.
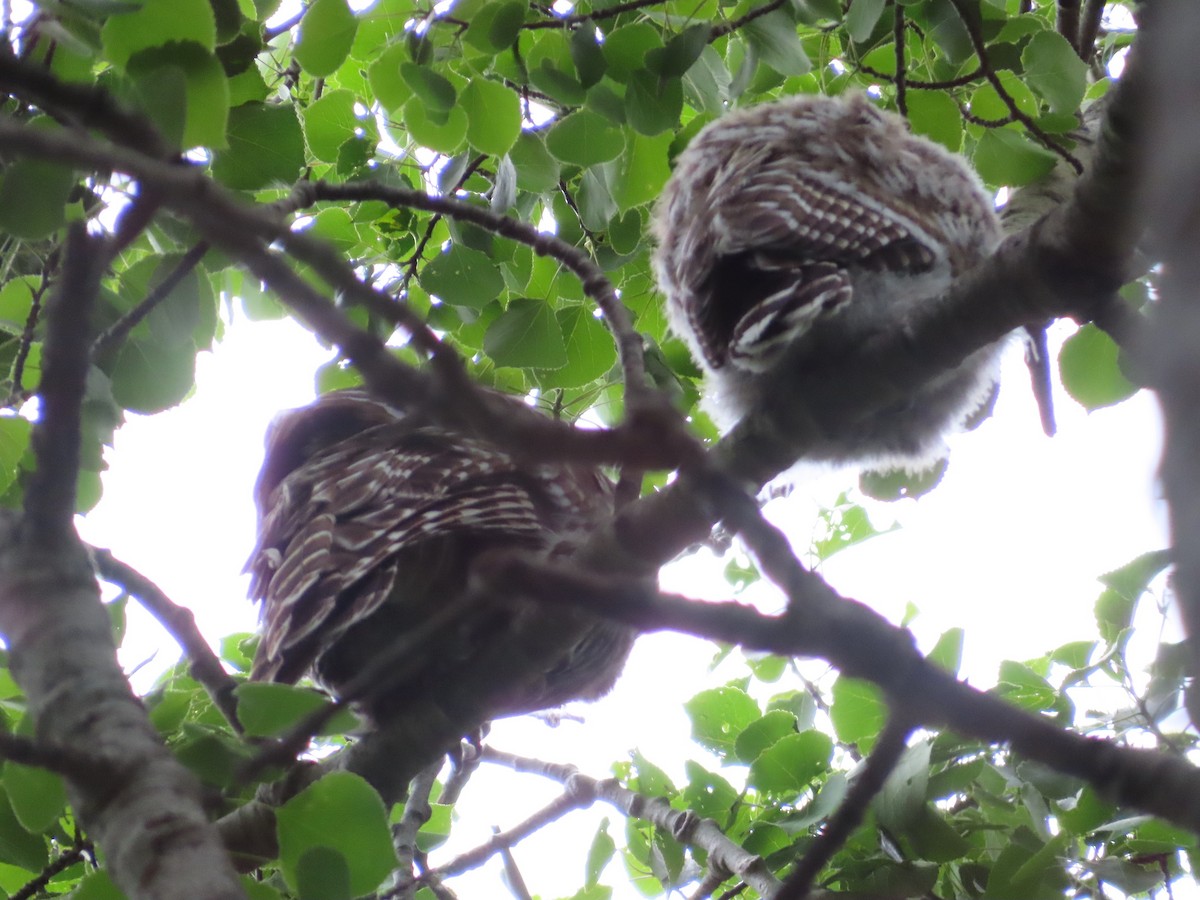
(50,494)
(862,644)
(146,814)
(1172,201)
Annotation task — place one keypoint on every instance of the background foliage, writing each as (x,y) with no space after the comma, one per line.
(568,119)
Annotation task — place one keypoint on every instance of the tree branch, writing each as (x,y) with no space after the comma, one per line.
(880,764)
(146,814)
(179,622)
(683,825)
(862,644)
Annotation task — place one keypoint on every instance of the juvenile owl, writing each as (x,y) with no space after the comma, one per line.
(369,523)
(794,231)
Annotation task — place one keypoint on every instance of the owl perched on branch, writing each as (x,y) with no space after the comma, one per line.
(795,231)
(369,522)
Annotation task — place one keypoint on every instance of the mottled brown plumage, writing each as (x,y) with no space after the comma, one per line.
(369,522)
(792,231)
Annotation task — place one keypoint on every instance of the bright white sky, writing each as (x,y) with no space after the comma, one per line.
(1009,546)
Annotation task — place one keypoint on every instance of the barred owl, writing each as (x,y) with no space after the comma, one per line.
(795,230)
(368,523)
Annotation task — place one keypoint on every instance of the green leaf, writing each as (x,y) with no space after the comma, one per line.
(933,838)
(862,17)
(774,37)
(857,712)
(339,815)
(385,77)
(935,115)
(257,890)
(626,48)
(719,715)
(680,53)
(18,846)
(493,116)
(16,300)
(323,873)
(97,886)
(158,22)
(653,103)
(33,198)
(462,277)
(211,755)
(328,123)
(537,170)
(903,797)
(590,349)
(38,797)
(585,139)
(496,25)
(590,64)
(1055,71)
(269,710)
(707,793)
(1007,157)
(526,335)
(986,102)
(1133,578)
(791,763)
(151,375)
(1091,371)
(600,853)
(947,652)
(1021,685)
(266,146)
(446,138)
(763,733)
(14,442)
(192,78)
(437,91)
(326,36)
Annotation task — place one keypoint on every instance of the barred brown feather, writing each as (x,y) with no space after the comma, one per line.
(793,230)
(368,524)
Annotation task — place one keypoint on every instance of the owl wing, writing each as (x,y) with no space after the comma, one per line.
(785,242)
(332,531)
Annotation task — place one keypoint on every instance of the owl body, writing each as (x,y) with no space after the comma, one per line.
(369,523)
(793,232)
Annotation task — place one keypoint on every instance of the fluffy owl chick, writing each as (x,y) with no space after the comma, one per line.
(791,232)
(368,524)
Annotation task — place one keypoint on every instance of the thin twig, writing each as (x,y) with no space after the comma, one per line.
(68,858)
(595,284)
(410,267)
(580,19)
(901,79)
(119,330)
(179,622)
(720,31)
(968,16)
(683,825)
(18,394)
(850,814)
(918,85)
